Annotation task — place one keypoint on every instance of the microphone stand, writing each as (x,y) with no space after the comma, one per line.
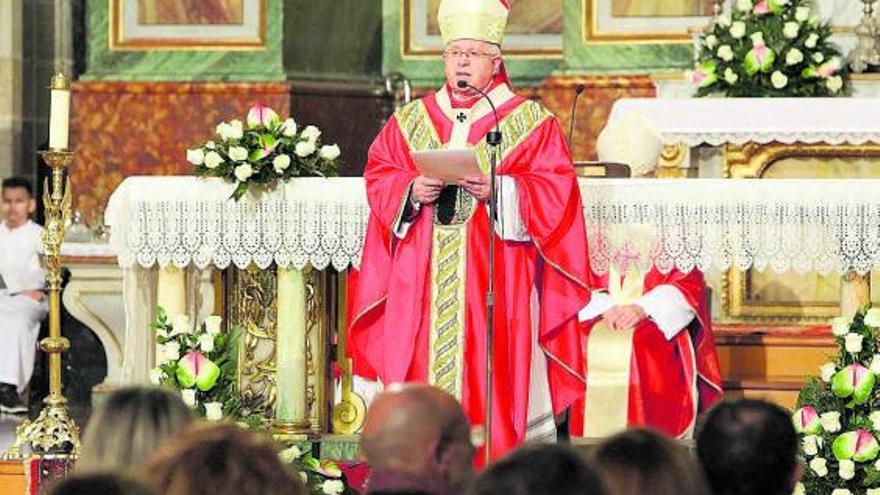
(493,139)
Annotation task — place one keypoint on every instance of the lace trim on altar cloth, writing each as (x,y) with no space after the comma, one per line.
(693,139)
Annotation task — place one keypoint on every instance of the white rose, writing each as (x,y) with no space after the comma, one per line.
(877,465)
(330,152)
(222,130)
(757,38)
(211,145)
(206,343)
(790,30)
(180,325)
(819,466)
(288,128)
(156,376)
(841,491)
(834,63)
(212,324)
(853,343)
(744,5)
(738,29)
(799,489)
(711,41)
(830,421)
(812,40)
(827,371)
(238,153)
(724,20)
(779,80)
(332,487)
(290,454)
(236,129)
(781,2)
(304,477)
(304,148)
(189,397)
(847,469)
(170,352)
(213,411)
(840,326)
(243,172)
(730,76)
(818,57)
(794,57)
(802,14)
(213,159)
(872,317)
(725,53)
(873,491)
(811,446)
(875,420)
(834,84)
(281,162)
(196,156)
(310,133)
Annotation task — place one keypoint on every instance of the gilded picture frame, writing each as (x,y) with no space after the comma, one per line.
(133,25)
(603,23)
(419,37)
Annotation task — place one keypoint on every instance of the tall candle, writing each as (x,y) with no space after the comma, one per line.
(292,379)
(59,112)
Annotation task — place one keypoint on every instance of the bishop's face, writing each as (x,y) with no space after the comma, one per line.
(475,62)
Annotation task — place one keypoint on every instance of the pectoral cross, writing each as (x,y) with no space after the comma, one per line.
(461,117)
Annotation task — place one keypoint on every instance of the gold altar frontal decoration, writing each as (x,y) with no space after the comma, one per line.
(251,298)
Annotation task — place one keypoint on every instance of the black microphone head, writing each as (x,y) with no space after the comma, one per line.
(579,89)
(461,84)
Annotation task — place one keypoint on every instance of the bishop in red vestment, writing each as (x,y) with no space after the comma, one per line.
(417,306)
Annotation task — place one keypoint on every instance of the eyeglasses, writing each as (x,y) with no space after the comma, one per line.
(455,53)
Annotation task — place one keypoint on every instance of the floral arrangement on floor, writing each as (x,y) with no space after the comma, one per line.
(201,364)
(263,152)
(769,48)
(838,416)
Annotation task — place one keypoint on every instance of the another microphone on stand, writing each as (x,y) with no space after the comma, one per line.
(577,93)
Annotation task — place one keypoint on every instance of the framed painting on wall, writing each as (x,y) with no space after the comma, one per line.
(645,21)
(533,29)
(187,24)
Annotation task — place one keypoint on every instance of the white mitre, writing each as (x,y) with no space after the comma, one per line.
(631,139)
(483,20)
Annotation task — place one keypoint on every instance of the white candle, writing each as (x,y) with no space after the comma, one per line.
(292,379)
(59,113)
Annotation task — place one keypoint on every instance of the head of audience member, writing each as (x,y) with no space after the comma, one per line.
(540,469)
(416,438)
(221,459)
(642,461)
(100,484)
(18,202)
(749,446)
(130,426)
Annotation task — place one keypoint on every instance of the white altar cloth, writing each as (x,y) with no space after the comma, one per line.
(189,220)
(718,121)
(822,225)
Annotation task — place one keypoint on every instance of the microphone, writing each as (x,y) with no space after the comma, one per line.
(493,138)
(577,93)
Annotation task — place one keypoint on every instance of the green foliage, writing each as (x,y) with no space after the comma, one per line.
(770,48)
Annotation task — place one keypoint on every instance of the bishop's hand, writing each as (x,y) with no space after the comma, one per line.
(624,317)
(426,190)
(477,186)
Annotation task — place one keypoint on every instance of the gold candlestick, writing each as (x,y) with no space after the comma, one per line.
(54,432)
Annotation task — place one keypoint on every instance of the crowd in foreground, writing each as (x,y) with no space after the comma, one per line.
(417,441)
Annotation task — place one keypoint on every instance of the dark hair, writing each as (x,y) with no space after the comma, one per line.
(644,461)
(221,459)
(546,469)
(99,483)
(748,446)
(18,183)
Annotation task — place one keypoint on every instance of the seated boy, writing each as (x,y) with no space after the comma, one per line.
(22,300)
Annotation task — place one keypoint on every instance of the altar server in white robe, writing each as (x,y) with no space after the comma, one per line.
(23,302)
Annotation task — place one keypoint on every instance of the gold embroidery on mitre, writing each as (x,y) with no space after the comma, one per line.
(483,20)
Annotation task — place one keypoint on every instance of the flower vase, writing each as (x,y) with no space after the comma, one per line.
(866,53)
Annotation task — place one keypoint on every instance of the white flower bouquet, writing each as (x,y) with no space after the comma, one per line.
(263,151)
(200,363)
(838,418)
(769,48)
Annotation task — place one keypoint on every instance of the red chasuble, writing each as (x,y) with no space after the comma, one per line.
(670,381)
(404,325)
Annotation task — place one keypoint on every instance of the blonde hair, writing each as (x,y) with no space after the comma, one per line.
(130,427)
